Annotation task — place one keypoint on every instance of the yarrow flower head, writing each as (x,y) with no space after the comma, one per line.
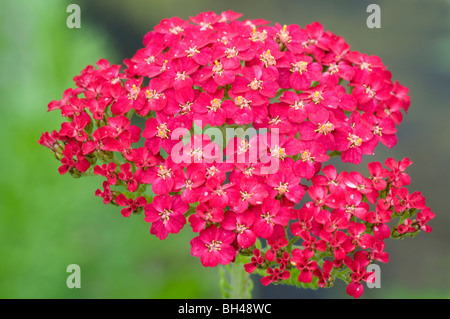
(227,126)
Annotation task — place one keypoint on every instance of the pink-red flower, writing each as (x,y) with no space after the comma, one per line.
(269,214)
(301,260)
(213,246)
(166,214)
(242,225)
(131,205)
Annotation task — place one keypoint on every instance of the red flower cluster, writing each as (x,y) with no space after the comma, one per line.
(309,96)
(339,222)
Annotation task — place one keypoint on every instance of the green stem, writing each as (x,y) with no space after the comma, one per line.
(235,282)
(334,153)
(241,282)
(291,242)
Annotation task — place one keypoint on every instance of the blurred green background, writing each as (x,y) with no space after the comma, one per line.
(49,221)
